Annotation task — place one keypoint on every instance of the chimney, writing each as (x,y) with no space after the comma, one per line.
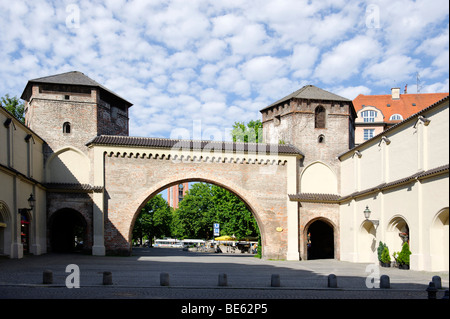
(395,93)
(406,88)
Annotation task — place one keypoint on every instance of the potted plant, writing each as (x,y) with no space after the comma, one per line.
(403,257)
(395,255)
(385,257)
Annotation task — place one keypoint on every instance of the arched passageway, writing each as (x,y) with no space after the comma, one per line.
(208,212)
(320,237)
(67,231)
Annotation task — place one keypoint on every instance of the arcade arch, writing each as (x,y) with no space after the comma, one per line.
(397,233)
(5,229)
(439,241)
(320,239)
(68,231)
(367,243)
(158,190)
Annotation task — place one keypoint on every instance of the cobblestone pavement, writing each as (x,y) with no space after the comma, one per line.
(195,276)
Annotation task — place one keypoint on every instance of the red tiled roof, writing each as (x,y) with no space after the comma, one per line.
(403,106)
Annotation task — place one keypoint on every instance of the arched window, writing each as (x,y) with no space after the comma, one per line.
(66,128)
(321,138)
(319,117)
(396,117)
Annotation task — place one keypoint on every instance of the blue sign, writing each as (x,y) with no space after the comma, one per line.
(216,229)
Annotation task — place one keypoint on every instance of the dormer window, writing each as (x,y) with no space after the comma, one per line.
(369,116)
(396,117)
(66,128)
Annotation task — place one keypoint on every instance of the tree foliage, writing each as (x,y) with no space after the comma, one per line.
(249,133)
(206,204)
(14,106)
(203,205)
(155,220)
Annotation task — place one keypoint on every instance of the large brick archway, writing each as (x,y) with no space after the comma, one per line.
(132,170)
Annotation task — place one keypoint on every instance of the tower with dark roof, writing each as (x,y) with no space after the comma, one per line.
(318,122)
(321,125)
(71,108)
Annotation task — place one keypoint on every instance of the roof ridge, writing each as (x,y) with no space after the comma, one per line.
(128,140)
(188,140)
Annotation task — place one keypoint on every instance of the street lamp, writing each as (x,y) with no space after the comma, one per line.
(31,202)
(367,213)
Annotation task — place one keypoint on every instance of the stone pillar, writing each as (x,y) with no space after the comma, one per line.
(98,248)
(292,211)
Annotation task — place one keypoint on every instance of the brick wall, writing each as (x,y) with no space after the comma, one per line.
(263,193)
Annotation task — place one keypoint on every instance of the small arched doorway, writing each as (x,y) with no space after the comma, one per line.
(397,233)
(5,230)
(439,240)
(67,231)
(320,240)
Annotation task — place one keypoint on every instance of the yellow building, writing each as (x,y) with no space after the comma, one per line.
(401,176)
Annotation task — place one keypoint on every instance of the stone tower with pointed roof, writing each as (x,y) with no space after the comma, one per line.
(321,125)
(318,122)
(71,108)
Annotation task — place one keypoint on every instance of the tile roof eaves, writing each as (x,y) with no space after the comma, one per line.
(161,143)
(68,187)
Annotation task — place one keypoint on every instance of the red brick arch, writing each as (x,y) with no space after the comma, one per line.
(131,181)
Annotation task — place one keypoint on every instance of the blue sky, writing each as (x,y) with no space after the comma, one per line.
(194,67)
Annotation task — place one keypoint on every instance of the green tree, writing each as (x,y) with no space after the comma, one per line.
(155,220)
(206,204)
(193,218)
(249,133)
(14,106)
(233,215)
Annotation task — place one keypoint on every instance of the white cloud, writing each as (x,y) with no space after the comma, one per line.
(222,61)
(252,39)
(212,50)
(227,25)
(346,59)
(303,59)
(393,70)
(351,92)
(263,69)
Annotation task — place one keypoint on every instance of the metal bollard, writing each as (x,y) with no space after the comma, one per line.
(332,281)
(275,280)
(107,278)
(431,290)
(164,279)
(47,277)
(437,282)
(223,280)
(385,282)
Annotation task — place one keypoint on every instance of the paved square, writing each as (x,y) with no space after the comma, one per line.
(195,276)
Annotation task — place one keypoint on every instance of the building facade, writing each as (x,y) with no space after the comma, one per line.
(401,176)
(377,113)
(22,227)
(175,194)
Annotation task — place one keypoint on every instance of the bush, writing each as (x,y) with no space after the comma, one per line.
(403,256)
(385,257)
(380,250)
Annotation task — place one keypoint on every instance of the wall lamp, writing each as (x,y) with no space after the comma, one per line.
(31,202)
(367,213)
